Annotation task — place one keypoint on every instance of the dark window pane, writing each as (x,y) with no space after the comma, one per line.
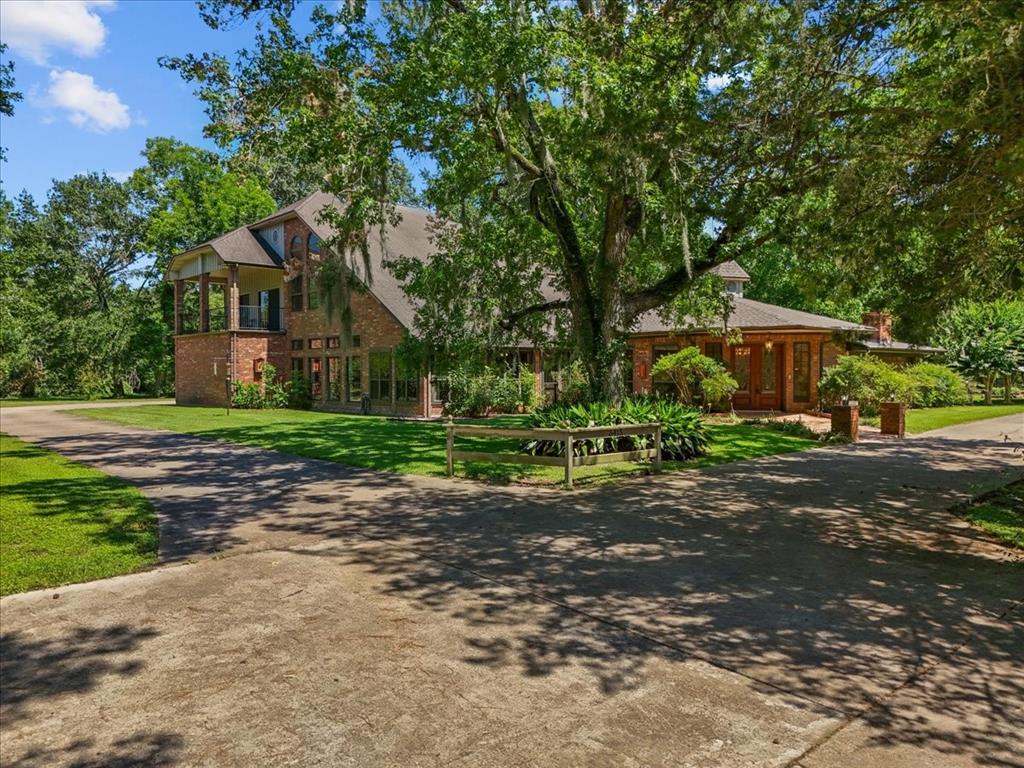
(295,248)
(296,301)
(380,375)
(296,343)
(314,243)
(313,291)
(713,349)
(802,371)
(298,365)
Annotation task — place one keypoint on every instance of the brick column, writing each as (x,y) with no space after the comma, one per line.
(179,307)
(232,297)
(204,302)
(894,419)
(846,421)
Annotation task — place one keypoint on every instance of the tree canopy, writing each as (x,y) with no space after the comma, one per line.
(598,157)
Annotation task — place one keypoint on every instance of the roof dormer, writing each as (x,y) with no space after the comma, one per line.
(733,274)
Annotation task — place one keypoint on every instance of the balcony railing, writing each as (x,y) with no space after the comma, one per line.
(250,318)
(258,318)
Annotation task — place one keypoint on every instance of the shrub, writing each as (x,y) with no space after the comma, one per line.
(479,392)
(697,377)
(275,394)
(867,380)
(936,385)
(683,435)
(573,386)
(299,392)
(246,395)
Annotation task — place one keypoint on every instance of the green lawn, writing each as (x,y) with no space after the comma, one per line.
(927,419)
(62,523)
(410,447)
(1001,513)
(18,402)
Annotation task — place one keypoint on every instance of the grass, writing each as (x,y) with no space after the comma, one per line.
(1001,513)
(927,419)
(412,447)
(62,523)
(18,402)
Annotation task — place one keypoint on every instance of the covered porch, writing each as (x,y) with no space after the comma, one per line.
(213,293)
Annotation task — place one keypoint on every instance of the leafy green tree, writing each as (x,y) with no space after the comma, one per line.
(187,197)
(614,151)
(984,341)
(8,96)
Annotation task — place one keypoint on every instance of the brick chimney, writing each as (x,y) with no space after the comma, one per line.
(882,323)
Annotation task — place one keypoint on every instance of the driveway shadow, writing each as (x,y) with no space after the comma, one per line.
(833,576)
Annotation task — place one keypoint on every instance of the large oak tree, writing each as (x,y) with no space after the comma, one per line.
(613,151)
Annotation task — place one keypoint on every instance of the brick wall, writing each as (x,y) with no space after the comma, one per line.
(372,322)
(200,368)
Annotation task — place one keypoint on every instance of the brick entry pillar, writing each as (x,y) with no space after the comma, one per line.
(846,421)
(204,302)
(894,419)
(179,307)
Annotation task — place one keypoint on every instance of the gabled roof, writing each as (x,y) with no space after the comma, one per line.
(748,314)
(411,237)
(239,246)
(730,270)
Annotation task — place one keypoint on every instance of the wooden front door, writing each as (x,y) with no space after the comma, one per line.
(758,372)
(744,363)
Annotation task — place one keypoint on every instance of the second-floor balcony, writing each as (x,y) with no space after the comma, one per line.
(251,317)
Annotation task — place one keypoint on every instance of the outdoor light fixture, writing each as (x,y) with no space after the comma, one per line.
(768,345)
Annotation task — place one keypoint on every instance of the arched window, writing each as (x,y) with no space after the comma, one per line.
(313,243)
(295,248)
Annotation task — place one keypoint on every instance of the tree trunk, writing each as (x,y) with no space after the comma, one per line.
(1008,388)
(989,380)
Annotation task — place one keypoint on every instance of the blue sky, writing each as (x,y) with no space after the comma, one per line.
(93,91)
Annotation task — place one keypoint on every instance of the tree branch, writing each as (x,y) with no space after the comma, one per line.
(545,306)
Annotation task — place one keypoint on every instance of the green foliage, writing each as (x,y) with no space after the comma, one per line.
(684,434)
(246,395)
(573,386)
(936,385)
(697,377)
(610,154)
(984,340)
(866,379)
(299,392)
(477,392)
(188,197)
(275,393)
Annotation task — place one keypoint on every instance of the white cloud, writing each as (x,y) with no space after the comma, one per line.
(34,28)
(718,82)
(87,105)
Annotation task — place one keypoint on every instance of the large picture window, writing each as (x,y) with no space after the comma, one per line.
(802,372)
(380,374)
(407,382)
(354,374)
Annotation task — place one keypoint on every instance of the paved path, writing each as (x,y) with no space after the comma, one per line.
(813,609)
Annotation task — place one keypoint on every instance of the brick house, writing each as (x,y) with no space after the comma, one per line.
(249,297)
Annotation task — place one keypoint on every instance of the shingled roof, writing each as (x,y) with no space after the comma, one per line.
(730,270)
(748,314)
(239,246)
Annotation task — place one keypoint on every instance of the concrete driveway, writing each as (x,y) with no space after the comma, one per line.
(814,609)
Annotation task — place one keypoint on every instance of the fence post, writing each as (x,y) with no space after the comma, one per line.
(568,459)
(450,429)
(657,448)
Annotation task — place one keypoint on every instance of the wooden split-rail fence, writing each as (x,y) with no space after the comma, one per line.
(567,436)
